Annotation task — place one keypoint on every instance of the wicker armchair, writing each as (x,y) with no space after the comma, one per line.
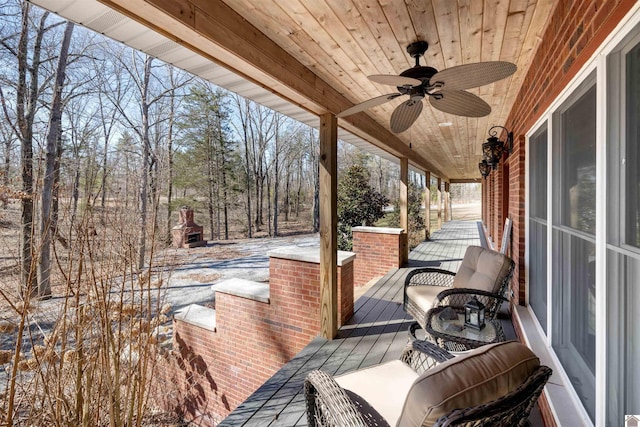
(483,273)
(501,381)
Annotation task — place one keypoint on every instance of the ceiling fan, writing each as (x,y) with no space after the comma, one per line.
(445,89)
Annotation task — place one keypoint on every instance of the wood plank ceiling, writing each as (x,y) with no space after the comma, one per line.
(328,48)
(344,41)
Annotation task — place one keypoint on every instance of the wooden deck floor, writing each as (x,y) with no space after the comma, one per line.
(376,333)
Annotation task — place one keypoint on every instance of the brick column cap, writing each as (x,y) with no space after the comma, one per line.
(379,230)
(198,315)
(309,254)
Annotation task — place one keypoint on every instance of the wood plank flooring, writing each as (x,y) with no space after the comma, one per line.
(376,333)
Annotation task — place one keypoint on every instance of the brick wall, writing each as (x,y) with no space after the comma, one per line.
(290,278)
(376,253)
(213,372)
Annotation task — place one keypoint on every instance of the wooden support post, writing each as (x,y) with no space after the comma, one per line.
(404,206)
(404,194)
(427,204)
(447,201)
(328,225)
(439,201)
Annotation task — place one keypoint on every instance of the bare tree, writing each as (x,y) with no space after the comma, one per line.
(51,150)
(28,89)
(243,106)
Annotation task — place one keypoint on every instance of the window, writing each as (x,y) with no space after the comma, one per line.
(632,155)
(579,164)
(623,240)
(538,225)
(574,262)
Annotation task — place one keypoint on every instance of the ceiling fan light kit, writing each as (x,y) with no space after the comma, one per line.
(445,89)
(493,149)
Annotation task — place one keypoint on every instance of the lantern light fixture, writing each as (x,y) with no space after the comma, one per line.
(493,149)
(474,314)
(484,168)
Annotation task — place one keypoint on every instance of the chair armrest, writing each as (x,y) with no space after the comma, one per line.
(458,297)
(328,404)
(421,355)
(429,276)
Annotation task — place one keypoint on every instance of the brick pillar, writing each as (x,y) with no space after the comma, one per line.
(377,251)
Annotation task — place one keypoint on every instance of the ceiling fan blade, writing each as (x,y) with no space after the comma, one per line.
(460,103)
(368,104)
(473,75)
(405,114)
(392,80)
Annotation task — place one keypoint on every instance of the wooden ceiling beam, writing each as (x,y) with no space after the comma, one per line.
(214,30)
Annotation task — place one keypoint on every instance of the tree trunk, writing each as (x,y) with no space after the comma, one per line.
(6,169)
(259,184)
(275,184)
(316,199)
(287,188)
(56,190)
(248,189)
(225,196)
(226,205)
(172,108)
(210,185)
(53,136)
(25,117)
(218,165)
(269,229)
(299,190)
(144,182)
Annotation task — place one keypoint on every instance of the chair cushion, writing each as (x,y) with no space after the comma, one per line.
(423,295)
(384,387)
(482,269)
(476,378)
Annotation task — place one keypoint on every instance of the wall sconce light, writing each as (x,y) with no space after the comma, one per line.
(485,169)
(493,149)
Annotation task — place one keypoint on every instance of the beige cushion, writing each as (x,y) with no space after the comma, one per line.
(469,380)
(424,295)
(482,269)
(384,387)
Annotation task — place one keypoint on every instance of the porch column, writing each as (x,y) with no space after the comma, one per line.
(328,226)
(447,201)
(439,201)
(427,204)
(404,209)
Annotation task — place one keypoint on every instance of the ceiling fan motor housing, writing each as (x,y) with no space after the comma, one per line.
(419,72)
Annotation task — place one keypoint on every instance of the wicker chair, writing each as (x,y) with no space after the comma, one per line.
(501,394)
(483,273)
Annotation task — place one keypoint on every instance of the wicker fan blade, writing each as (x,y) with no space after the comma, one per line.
(369,104)
(473,75)
(460,103)
(391,80)
(405,114)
